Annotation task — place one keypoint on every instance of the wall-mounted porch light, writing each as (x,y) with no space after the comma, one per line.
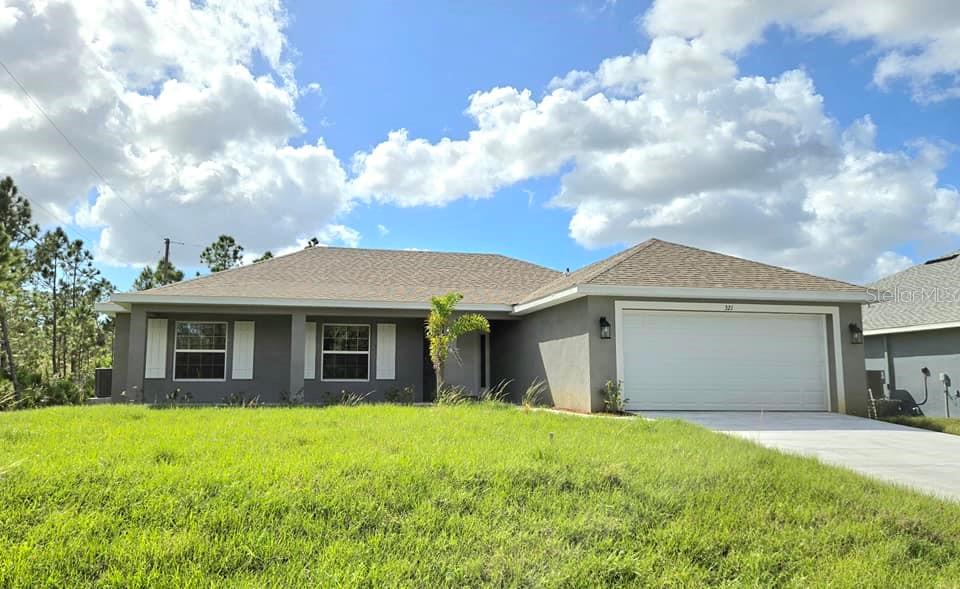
(856,334)
(604,328)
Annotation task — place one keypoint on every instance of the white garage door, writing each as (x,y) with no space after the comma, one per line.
(676,360)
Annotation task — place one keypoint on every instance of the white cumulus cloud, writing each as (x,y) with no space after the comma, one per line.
(675,143)
(163,99)
(916,41)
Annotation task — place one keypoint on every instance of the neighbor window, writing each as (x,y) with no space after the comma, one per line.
(200,351)
(345,352)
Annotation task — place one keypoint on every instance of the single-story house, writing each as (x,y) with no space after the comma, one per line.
(911,322)
(680,327)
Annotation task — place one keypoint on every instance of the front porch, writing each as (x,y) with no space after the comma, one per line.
(279,356)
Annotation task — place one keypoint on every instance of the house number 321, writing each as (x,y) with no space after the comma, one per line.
(728,307)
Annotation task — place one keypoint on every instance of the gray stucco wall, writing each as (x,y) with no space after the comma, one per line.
(854,365)
(409,367)
(938,350)
(271,362)
(551,345)
(562,345)
(463,365)
(121,343)
(272,359)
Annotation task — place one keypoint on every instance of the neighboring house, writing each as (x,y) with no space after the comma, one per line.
(682,328)
(913,321)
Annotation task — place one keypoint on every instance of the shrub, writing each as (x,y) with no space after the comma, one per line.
(403,395)
(291,400)
(352,399)
(345,397)
(241,400)
(8,400)
(452,395)
(497,394)
(531,396)
(612,393)
(176,397)
(34,392)
(63,392)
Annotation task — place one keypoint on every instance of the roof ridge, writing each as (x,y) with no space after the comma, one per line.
(771,266)
(592,270)
(228,270)
(319,248)
(613,261)
(624,256)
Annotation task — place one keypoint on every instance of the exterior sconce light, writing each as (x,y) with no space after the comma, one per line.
(604,328)
(856,334)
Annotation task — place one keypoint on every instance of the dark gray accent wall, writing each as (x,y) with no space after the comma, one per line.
(938,350)
(409,369)
(271,362)
(136,355)
(551,345)
(121,344)
(463,364)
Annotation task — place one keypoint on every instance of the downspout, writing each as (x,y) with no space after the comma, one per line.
(926,375)
(888,364)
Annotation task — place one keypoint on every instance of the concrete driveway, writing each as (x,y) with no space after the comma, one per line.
(924,460)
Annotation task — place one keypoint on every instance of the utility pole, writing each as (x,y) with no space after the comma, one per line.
(166,251)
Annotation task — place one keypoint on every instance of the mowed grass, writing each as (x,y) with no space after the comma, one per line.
(937,424)
(375,496)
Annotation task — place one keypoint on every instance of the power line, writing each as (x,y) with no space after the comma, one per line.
(72,145)
(92,240)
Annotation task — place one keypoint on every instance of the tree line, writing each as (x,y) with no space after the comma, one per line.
(223,254)
(51,338)
(50,335)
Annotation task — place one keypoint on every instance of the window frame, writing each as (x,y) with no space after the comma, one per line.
(226,345)
(323,353)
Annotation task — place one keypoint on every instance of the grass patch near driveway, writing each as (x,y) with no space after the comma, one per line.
(129,496)
(937,424)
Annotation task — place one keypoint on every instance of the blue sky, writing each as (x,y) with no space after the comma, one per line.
(383,66)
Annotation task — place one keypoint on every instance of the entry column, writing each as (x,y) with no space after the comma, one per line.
(298,323)
(136,354)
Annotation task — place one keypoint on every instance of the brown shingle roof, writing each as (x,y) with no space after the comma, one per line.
(657,263)
(391,276)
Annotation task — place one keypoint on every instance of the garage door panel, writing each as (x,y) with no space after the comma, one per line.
(717,361)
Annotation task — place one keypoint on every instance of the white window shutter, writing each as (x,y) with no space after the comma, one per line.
(386,351)
(243,336)
(156,364)
(310,351)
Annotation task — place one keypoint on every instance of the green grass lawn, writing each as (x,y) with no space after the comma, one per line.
(449,496)
(937,424)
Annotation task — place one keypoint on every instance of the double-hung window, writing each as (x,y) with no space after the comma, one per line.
(200,350)
(345,352)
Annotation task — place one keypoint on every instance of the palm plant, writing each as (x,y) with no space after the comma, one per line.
(443,330)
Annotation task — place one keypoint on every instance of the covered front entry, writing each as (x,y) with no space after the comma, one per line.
(701,359)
